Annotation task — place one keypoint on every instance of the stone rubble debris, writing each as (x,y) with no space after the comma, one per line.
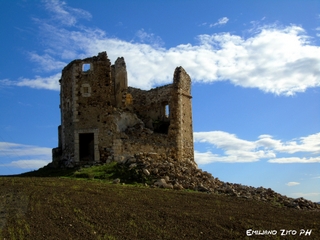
(168,173)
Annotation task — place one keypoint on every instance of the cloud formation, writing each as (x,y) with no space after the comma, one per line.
(64,14)
(16,149)
(295,160)
(49,83)
(34,157)
(290,184)
(46,62)
(239,150)
(149,38)
(277,60)
(27,164)
(221,21)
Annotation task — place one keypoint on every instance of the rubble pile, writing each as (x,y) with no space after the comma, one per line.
(165,172)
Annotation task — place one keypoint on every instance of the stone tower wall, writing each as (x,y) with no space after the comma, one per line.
(102,118)
(150,105)
(182,83)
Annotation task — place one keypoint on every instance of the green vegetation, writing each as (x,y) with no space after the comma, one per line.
(108,172)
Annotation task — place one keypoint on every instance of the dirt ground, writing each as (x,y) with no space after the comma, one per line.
(64,208)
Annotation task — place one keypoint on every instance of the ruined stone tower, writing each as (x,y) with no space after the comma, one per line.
(102,119)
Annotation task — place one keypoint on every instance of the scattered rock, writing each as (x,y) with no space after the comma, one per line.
(170,174)
(146,172)
(177,186)
(133,165)
(160,183)
(116,181)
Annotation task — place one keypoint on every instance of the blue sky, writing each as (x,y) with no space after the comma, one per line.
(255,68)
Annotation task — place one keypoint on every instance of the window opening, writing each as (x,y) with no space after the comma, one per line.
(85,89)
(86,67)
(167,110)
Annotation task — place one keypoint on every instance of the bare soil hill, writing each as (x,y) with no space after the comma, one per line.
(65,208)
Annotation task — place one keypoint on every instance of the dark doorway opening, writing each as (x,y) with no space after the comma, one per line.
(86,146)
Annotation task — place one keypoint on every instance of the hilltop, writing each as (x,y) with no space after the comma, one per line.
(162,171)
(66,208)
(145,197)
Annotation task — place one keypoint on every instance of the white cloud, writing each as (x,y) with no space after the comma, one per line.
(221,21)
(290,184)
(50,83)
(239,150)
(274,59)
(27,164)
(36,156)
(223,140)
(65,14)
(310,143)
(209,157)
(47,62)
(295,160)
(5,82)
(15,149)
(202,24)
(236,150)
(149,38)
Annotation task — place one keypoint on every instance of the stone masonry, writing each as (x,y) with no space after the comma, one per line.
(103,120)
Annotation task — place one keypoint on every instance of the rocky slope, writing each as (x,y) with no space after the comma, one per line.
(164,172)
